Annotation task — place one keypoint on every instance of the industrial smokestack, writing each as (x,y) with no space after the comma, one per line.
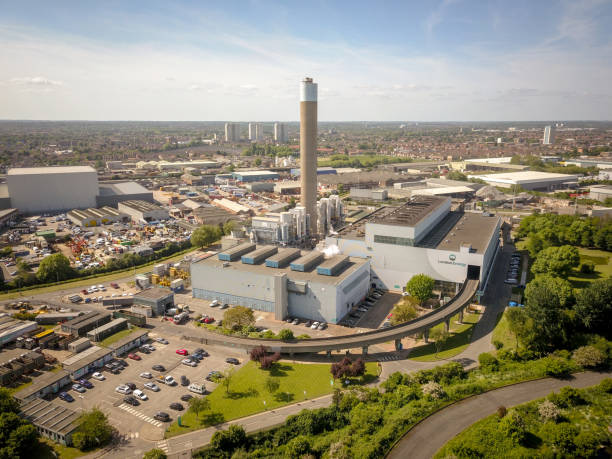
(308,150)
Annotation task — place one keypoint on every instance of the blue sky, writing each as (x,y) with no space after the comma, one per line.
(243,60)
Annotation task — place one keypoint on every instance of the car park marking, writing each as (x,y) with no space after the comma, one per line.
(140,415)
(163,445)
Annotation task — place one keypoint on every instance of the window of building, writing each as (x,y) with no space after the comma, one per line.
(405,241)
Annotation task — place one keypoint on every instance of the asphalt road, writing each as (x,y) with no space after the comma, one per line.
(426,438)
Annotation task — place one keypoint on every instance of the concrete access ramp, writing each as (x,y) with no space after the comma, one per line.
(357,340)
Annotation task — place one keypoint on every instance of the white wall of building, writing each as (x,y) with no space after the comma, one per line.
(52,191)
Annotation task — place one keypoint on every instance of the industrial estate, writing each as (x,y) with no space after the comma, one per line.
(309,288)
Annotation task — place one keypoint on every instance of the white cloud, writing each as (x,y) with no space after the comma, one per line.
(34,81)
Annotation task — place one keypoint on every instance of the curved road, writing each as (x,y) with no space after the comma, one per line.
(425,439)
(385,335)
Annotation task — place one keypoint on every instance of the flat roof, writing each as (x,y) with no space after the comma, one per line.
(141,206)
(122,188)
(83,358)
(353,265)
(6,212)
(128,339)
(411,213)
(40,382)
(50,170)
(442,190)
(461,229)
(525,177)
(154,293)
(50,416)
(255,173)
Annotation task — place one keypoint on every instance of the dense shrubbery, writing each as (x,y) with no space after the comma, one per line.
(572,423)
(364,422)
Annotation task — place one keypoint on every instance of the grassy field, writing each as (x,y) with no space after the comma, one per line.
(117,336)
(502,333)
(247,392)
(603,267)
(563,438)
(103,278)
(459,340)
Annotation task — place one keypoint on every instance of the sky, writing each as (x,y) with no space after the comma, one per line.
(429,60)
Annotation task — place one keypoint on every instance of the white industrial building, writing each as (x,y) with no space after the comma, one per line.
(48,189)
(287,282)
(422,236)
(95,217)
(530,180)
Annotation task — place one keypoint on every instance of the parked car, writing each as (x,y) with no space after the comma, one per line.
(295,321)
(161,416)
(207,320)
(308,323)
(314,325)
(186,397)
(189,362)
(158,368)
(144,350)
(99,376)
(85,383)
(214,375)
(233,361)
(224,306)
(78,388)
(131,400)
(182,351)
(131,385)
(65,396)
(161,340)
(214,303)
(152,386)
(322,326)
(176,406)
(134,357)
(140,395)
(123,389)
(146,375)
(184,381)
(169,380)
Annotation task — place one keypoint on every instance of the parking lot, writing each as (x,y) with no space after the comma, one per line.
(140,419)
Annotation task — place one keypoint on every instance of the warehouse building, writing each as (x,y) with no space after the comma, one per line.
(143,211)
(91,359)
(79,326)
(114,326)
(48,189)
(324,170)
(96,217)
(283,281)
(55,422)
(208,214)
(157,299)
(7,216)
(530,180)
(287,187)
(254,176)
(129,342)
(422,236)
(111,194)
(11,329)
(56,317)
(600,192)
(369,194)
(43,385)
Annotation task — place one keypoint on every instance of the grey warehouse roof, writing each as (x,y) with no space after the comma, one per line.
(411,213)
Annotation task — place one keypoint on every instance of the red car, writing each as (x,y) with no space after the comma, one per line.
(182,351)
(84,292)
(134,357)
(207,320)
(114,285)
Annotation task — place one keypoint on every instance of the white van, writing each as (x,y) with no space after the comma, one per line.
(197,388)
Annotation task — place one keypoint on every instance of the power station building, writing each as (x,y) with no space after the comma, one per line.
(287,282)
(422,236)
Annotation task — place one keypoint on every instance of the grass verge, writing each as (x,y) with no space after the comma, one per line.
(502,333)
(48,449)
(602,262)
(459,340)
(247,392)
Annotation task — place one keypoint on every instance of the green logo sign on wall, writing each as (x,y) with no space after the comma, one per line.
(452,257)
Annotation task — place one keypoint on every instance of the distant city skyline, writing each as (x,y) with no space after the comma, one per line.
(448,60)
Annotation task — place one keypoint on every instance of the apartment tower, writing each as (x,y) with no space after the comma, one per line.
(308,150)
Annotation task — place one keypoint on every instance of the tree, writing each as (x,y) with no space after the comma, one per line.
(272,384)
(17,436)
(594,306)
(229,440)
(198,405)
(238,317)
(285,334)
(547,298)
(520,325)
(155,453)
(269,360)
(227,379)
(93,430)
(55,268)
(7,403)
(258,353)
(440,336)
(404,311)
(557,261)
(205,235)
(346,367)
(420,287)
(588,357)
(228,226)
